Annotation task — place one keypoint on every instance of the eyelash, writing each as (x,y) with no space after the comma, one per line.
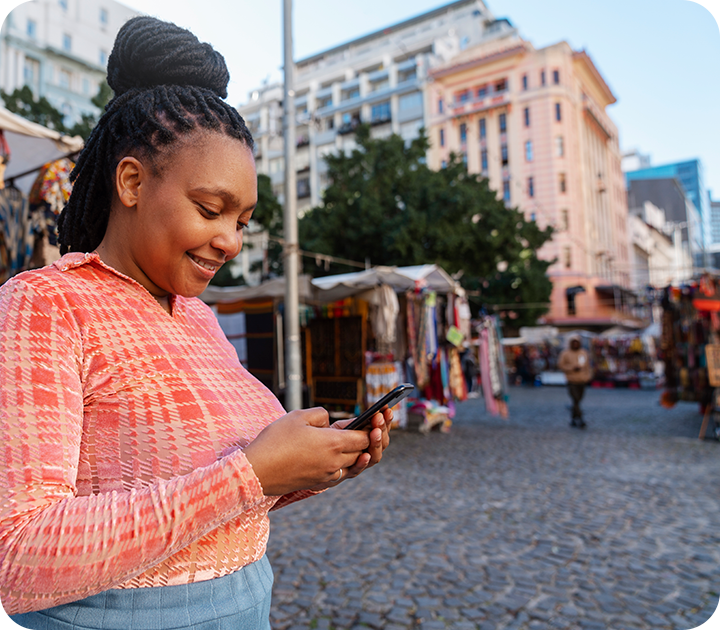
(214,215)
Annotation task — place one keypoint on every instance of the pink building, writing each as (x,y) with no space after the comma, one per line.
(534,122)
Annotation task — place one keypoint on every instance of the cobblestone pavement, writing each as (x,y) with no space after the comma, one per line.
(522,524)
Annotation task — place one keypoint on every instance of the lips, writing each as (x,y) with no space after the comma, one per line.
(208,266)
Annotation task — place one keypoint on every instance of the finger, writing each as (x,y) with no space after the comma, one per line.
(358,466)
(376,446)
(316,417)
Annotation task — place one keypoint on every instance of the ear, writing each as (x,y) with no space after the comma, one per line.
(129,176)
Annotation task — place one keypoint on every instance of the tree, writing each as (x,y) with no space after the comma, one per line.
(22,102)
(385,204)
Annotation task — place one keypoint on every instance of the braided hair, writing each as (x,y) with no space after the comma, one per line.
(166,85)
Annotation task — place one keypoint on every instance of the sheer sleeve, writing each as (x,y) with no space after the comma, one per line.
(56,546)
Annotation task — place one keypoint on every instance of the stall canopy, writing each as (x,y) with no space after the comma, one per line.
(271,289)
(31,146)
(332,288)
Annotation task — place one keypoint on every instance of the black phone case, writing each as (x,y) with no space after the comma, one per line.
(390,399)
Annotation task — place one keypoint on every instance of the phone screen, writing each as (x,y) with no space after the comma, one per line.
(390,399)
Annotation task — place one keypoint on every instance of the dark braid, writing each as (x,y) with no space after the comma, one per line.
(167,84)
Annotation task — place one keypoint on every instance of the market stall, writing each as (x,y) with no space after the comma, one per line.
(624,358)
(27,151)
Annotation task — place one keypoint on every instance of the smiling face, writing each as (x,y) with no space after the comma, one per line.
(172,229)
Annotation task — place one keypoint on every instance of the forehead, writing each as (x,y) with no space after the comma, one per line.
(209,159)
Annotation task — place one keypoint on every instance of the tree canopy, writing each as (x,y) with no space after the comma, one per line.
(22,101)
(385,204)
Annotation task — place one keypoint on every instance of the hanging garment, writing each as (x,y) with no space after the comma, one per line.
(16,232)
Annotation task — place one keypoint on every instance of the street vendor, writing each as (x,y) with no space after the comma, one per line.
(575,363)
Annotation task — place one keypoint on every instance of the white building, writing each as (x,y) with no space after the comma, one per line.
(60,48)
(656,252)
(379,79)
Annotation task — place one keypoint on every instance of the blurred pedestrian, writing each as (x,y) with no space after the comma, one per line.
(575,363)
(140,459)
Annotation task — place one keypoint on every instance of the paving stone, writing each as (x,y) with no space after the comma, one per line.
(517,524)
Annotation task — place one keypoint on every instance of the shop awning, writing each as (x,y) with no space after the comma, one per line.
(31,146)
(338,287)
(274,288)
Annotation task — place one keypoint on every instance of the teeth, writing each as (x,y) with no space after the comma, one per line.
(204,265)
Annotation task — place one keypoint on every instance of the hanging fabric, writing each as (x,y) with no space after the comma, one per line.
(15,230)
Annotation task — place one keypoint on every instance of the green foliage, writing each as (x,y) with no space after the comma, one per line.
(22,102)
(269,215)
(385,204)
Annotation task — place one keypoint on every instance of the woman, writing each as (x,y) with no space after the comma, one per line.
(140,458)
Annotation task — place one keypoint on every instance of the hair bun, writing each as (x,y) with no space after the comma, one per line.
(149,52)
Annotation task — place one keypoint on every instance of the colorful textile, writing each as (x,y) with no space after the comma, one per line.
(16,232)
(122,429)
(52,185)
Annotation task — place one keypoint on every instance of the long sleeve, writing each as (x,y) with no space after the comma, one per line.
(57,546)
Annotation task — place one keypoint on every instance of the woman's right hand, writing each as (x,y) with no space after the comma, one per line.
(300,451)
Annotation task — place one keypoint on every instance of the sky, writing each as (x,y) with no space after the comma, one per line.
(661,58)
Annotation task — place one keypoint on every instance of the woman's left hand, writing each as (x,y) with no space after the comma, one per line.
(379,441)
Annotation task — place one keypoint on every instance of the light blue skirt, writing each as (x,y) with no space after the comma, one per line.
(239,601)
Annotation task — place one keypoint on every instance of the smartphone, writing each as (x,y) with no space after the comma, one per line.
(390,399)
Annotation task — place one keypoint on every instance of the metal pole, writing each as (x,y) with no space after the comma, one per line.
(293,381)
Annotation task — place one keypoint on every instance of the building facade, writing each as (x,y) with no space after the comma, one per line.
(690,176)
(534,122)
(59,48)
(380,79)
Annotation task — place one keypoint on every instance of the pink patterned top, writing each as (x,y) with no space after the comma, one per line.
(121,434)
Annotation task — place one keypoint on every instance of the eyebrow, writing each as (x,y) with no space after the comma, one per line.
(226,195)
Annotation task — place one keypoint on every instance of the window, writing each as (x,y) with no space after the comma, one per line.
(442,137)
(482,92)
(325,101)
(31,28)
(64,80)
(567,257)
(533,216)
(67,42)
(103,17)
(504,154)
(103,58)
(530,187)
(506,191)
(463,96)
(303,187)
(556,77)
(529,151)
(503,123)
(558,112)
(483,130)
(484,160)
(560,146)
(525,82)
(410,101)
(542,77)
(564,220)
(86,85)
(63,4)
(380,112)
(526,115)
(407,75)
(351,93)
(440,106)
(380,84)
(501,85)
(563,183)
(31,73)
(443,164)
(463,133)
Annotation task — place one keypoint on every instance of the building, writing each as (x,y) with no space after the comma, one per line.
(681,215)
(714,207)
(60,48)
(656,254)
(380,79)
(534,122)
(690,176)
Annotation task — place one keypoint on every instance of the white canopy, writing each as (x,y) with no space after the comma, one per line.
(332,288)
(31,146)
(274,288)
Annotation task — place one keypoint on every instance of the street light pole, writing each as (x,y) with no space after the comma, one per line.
(293,382)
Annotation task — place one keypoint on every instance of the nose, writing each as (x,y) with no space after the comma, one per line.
(228,238)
